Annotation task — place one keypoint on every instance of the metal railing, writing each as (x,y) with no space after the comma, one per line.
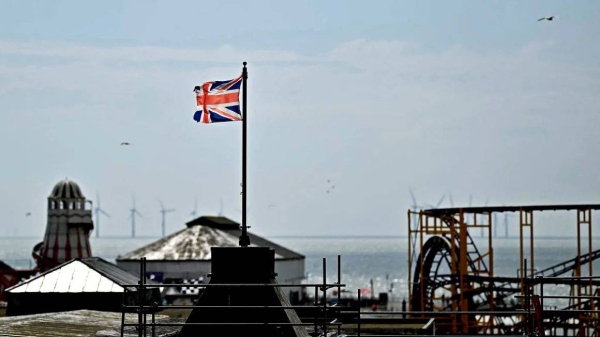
(532,319)
(143,308)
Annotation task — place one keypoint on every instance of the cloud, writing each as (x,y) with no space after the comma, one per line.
(222,54)
(376,115)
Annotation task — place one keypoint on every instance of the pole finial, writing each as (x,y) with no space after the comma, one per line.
(244,63)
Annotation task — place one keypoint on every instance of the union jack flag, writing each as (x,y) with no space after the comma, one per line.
(218,101)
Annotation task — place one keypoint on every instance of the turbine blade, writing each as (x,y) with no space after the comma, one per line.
(412,195)
(103,212)
(441,200)
(451,200)
(161,204)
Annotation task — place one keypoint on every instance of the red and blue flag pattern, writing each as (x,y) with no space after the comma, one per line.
(218,101)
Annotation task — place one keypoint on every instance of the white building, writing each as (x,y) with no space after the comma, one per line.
(89,283)
(185,255)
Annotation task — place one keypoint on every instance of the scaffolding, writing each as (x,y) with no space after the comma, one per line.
(448,272)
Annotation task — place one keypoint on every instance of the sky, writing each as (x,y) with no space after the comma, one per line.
(476,99)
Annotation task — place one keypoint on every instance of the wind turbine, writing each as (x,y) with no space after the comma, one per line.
(486,203)
(240,211)
(436,205)
(415,208)
(98,210)
(134,212)
(506,215)
(505,224)
(195,211)
(470,203)
(164,212)
(221,207)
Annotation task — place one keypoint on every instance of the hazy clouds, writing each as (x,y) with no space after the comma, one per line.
(375,116)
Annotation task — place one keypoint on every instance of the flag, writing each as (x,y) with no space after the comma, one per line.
(218,101)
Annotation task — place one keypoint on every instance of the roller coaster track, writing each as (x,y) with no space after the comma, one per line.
(569,265)
(507,284)
(477,266)
(441,245)
(477,273)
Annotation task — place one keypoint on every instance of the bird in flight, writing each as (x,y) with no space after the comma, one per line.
(550,18)
(125,143)
(331,186)
(28,214)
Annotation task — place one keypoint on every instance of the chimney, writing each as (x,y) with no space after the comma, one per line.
(243,265)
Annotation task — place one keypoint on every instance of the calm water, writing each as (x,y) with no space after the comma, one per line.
(382,259)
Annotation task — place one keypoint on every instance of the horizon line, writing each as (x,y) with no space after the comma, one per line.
(353,236)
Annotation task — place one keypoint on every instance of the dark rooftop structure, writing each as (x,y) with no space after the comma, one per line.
(252,266)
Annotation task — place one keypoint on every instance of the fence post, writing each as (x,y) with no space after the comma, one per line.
(143,294)
(358,317)
(339,291)
(123,313)
(325,297)
(316,309)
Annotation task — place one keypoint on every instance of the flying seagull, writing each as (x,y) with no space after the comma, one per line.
(125,143)
(550,18)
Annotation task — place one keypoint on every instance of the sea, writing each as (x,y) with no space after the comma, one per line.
(380,260)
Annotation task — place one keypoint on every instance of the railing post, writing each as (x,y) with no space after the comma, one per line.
(528,304)
(325,297)
(358,317)
(316,310)
(143,294)
(541,278)
(339,291)
(123,303)
(154,320)
(139,297)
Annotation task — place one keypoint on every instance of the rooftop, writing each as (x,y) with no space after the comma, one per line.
(77,276)
(195,241)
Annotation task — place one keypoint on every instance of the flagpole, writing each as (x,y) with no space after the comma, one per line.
(244,239)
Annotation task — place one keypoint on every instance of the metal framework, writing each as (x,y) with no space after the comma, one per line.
(449,273)
(326,319)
